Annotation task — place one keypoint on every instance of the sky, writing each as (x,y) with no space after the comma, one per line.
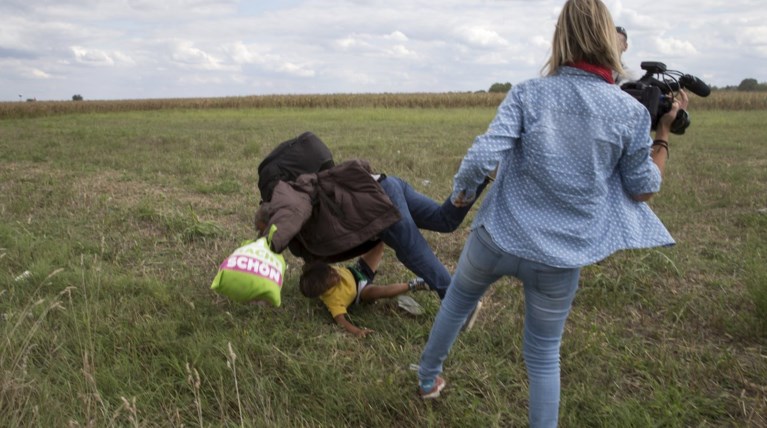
(137,49)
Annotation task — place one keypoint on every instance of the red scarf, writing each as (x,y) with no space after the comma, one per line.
(600,71)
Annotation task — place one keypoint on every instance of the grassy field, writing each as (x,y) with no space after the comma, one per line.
(122,218)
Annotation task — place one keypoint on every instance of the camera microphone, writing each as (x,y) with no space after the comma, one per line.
(695,85)
(656,93)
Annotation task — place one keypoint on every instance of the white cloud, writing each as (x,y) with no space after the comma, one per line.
(400,51)
(183,7)
(673,47)
(481,37)
(491,58)
(185,54)
(91,56)
(40,74)
(392,45)
(295,70)
(753,35)
(540,42)
(122,58)
(208,47)
(352,42)
(240,53)
(396,36)
(197,79)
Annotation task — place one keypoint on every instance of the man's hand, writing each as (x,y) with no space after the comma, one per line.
(461,200)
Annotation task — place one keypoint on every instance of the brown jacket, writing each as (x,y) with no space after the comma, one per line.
(333,215)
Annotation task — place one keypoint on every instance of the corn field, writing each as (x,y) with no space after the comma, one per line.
(718,100)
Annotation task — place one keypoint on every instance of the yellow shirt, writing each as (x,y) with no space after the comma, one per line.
(342,295)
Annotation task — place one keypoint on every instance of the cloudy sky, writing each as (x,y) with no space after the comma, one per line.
(127,49)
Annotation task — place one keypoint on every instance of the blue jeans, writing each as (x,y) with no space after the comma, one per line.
(549,293)
(405,238)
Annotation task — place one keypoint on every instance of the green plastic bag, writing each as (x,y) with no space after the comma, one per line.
(252,272)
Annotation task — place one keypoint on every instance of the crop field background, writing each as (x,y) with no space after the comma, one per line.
(718,100)
(114,217)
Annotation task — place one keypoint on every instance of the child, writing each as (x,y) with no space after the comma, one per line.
(340,287)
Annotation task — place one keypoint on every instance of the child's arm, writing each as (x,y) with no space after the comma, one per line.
(351,328)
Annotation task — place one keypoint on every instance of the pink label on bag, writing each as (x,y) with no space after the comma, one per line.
(253,266)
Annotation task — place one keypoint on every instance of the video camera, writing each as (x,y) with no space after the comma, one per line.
(657,93)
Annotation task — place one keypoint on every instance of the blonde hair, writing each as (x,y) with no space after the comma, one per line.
(584,32)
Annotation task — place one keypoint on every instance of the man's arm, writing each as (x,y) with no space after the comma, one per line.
(289,209)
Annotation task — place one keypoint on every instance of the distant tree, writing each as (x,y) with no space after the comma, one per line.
(77,97)
(748,85)
(31,100)
(500,87)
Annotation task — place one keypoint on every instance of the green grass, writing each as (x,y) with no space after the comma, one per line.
(122,219)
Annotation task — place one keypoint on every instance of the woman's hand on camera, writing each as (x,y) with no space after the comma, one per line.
(664,125)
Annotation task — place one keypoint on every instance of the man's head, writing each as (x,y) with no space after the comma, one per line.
(623,38)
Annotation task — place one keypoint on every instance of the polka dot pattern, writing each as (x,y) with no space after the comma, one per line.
(570,150)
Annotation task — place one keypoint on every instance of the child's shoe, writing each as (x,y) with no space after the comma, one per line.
(409,305)
(433,392)
(418,284)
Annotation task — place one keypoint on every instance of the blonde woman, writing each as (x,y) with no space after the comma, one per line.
(576,163)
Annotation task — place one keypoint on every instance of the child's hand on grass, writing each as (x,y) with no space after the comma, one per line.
(351,328)
(362,332)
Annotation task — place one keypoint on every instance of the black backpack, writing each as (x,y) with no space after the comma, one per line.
(301,155)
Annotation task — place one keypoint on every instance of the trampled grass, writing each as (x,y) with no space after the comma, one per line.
(121,220)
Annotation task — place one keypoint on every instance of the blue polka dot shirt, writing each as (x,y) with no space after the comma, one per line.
(570,149)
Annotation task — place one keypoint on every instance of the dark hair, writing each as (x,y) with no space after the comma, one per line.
(316,278)
(622,30)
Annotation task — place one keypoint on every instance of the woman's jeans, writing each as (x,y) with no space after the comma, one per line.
(405,238)
(549,293)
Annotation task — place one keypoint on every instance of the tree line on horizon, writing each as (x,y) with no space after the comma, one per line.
(746,85)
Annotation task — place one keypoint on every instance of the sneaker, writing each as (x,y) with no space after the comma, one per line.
(439,385)
(418,284)
(472,318)
(409,305)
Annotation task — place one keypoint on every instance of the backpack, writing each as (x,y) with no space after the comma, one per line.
(305,154)
(252,272)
